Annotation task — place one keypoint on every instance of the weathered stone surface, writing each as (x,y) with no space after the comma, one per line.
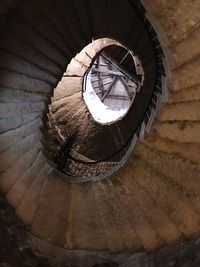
(27,33)
(13,153)
(21,82)
(16,193)
(171,192)
(118,228)
(188,111)
(67,86)
(18,47)
(166,196)
(182,132)
(8,110)
(75,68)
(12,137)
(15,122)
(8,95)
(187,76)
(143,228)
(185,95)
(187,151)
(177,18)
(183,175)
(53,217)
(29,204)
(17,64)
(188,47)
(155,216)
(30,251)
(85,226)
(10,176)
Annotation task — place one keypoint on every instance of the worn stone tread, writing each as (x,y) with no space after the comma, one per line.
(16,193)
(165,228)
(180,172)
(51,219)
(182,132)
(13,62)
(26,32)
(12,137)
(174,205)
(183,150)
(9,124)
(143,228)
(13,153)
(13,44)
(84,229)
(29,203)
(188,111)
(8,110)
(185,95)
(10,176)
(8,95)
(22,82)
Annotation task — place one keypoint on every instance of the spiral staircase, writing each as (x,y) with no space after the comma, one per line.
(153,200)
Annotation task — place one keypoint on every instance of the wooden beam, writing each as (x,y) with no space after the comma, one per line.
(109,89)
(109,72)
(126,87)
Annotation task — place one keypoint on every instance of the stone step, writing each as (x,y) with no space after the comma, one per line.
(182,132)
(15,136)
(139,221)
(185,95)
(18,190)
(39,22)
(52,217)
(167,197)
(75,68)
(14,80)
(56,21)
(15,122)
(188,111)
(84,230)
(187,75)
(69,17)
(13,153)
(188,47)
(187,151)
(69,105)
(115,222)
(12,62)
(157,218)
(16,46)
(84,17)
(172,17)
(8,95)
(9,110)
(22,164)
(67,86)
(181,173)
(29,203)
(86,55)
(26,32)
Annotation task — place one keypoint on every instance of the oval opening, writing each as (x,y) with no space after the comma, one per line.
(111,84)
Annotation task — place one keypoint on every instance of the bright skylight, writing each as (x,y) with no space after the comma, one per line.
(100,112)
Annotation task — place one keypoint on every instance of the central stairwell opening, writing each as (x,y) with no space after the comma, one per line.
(106,100)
